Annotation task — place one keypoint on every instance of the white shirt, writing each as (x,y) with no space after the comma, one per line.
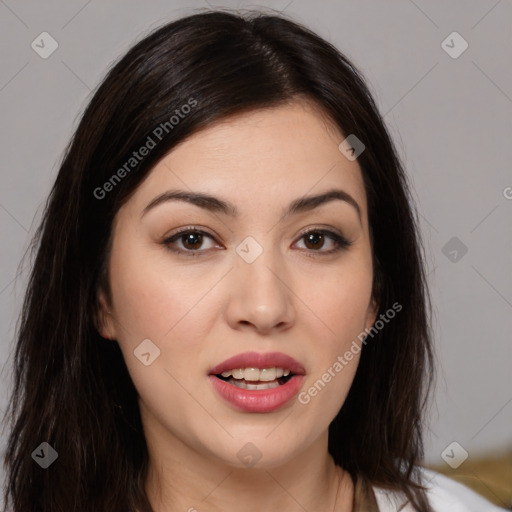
(444,494)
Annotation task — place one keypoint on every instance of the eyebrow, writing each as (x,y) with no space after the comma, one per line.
(216,205)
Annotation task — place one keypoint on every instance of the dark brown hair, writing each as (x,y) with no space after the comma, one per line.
(71,386)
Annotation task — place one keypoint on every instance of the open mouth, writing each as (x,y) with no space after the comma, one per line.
(258,384)
(255,384)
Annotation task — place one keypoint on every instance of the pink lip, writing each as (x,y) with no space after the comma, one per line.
(257,400)
(257,360)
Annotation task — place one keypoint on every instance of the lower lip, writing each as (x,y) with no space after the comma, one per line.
(257,400)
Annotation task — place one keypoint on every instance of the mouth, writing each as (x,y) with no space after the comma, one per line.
(253,382)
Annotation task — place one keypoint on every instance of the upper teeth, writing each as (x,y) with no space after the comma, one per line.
(267,374)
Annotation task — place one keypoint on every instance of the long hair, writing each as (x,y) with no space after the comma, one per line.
(72,389)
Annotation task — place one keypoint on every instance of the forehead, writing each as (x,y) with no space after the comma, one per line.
(268,156)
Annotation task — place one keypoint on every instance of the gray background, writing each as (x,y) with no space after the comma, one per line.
(450,118)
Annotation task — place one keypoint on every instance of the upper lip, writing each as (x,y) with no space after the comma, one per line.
(257,360)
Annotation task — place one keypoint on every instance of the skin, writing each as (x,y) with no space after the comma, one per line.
(200,310)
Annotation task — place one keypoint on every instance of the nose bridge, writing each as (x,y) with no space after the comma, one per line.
(259,267)
(260,293)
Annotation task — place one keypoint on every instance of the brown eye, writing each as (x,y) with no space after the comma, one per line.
(192,241)
(314,240)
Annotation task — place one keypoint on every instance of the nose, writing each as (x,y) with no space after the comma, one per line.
(261,296)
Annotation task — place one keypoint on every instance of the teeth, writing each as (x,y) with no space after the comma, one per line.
(245,385)
(255,374)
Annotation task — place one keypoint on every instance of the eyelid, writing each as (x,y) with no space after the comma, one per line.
(320,229)
(186,229)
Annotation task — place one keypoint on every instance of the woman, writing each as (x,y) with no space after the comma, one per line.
(228,303)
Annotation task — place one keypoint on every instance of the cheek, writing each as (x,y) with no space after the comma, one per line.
(165,304)
(325,392)
(150,297)
(338,307)
(339,301)
(145,306)
(151,305)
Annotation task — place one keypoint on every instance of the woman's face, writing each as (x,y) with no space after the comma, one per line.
(243,277)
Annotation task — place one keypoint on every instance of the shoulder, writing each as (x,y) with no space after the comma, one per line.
(444,494)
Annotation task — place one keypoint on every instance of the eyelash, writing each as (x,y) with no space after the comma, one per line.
(342,243)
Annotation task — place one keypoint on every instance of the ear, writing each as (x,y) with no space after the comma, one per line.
(104,320)
(371,313)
